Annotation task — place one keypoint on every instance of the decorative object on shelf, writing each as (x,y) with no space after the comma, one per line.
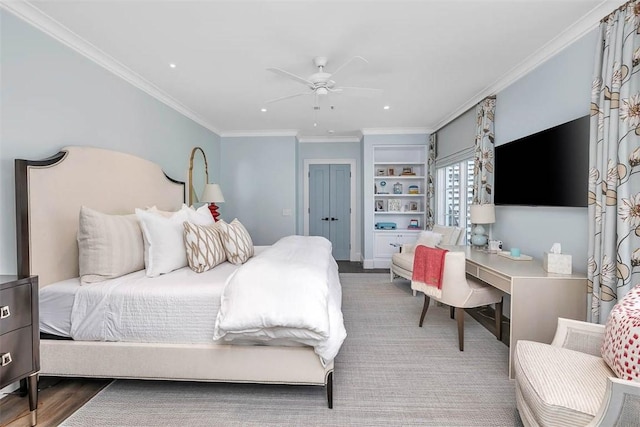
(555,261)
(407,170)
(480,215)
(413,206)
(380,205)
(212,194)
(395,205)
(414,224)
(386,225)
(383,183)
(397,188)
(515,252)
(391,172)
(381,172)
(413,189)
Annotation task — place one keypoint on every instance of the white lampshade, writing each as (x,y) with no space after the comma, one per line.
(212,194)
(483,214)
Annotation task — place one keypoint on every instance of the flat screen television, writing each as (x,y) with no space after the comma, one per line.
(548,168)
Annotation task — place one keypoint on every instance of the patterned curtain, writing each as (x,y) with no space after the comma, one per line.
(431,191)
(483,157)
(614,163)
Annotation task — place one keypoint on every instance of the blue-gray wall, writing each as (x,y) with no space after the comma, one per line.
(258,180)
(555,92)
(51,97)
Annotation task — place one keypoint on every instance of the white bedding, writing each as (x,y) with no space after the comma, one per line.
(291,291)
(181,307)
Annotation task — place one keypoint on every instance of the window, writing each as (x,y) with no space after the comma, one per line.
(454,195)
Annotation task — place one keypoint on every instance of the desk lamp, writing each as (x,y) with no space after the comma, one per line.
(481,214)
(212,194)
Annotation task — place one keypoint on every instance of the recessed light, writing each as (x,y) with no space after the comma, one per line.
(264,110)
(386,107)
(331,131)
(172,65)
(315,125)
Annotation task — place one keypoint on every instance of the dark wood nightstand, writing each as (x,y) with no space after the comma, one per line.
(20,335)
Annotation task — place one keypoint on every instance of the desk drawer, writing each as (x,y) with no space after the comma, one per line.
(495,280)
(17,301)
(471,269)
(19,345)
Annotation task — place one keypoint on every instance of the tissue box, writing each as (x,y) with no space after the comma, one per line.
(556,263)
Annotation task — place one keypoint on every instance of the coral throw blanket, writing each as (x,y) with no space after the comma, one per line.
(428,268)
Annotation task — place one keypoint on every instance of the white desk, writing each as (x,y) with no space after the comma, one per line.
(538,298)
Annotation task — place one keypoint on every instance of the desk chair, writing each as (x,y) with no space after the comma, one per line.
(460,292)
(402,262)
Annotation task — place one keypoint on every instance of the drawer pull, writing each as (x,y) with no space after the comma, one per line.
(6,359)
(4,312)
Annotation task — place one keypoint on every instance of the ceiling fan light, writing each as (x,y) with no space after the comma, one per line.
(322,91)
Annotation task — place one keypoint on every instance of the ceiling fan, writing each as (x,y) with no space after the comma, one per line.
(321,82)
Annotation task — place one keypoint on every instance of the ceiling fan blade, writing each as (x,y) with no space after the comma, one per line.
(291,76)
(352,88)
(288,96)
(347,63)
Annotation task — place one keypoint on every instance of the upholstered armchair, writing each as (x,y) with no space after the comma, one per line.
(459,292)
(402,262)
(570,383)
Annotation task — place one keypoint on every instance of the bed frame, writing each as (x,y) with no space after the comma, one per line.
(49,194)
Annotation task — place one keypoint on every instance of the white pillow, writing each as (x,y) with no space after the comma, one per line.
(163,243)
(200,216)
(429,238)
(108,245)
(236,240)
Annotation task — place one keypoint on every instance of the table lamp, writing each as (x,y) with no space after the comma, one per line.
(481,214)
(212,194)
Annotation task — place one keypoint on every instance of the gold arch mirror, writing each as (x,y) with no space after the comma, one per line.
(199,178)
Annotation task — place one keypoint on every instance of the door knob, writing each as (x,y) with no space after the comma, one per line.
(334,219)
(325,218)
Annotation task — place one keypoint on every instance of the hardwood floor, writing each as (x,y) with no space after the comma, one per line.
(58,398)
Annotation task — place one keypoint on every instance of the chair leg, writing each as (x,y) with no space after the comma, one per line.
(498,312)
(460,316)
(451,312)
(425,307)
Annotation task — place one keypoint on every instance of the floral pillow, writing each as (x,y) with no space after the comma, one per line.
(621,345)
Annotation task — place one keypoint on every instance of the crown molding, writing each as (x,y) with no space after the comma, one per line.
(574,32)
(40,20)
(327,139)
(258,133)
(396,131)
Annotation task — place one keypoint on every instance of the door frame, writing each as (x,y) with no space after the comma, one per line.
(352,203)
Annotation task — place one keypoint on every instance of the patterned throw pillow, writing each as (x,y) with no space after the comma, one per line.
(203,245)
(621,345)
(236,240)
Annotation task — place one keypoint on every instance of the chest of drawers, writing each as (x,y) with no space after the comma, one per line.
(19,334)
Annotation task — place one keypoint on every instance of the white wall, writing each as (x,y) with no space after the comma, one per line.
(52,97)
(258,180)
(557,91)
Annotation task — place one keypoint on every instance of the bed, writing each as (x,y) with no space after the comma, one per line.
(49,196)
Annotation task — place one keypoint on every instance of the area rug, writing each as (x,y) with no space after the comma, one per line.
(389,372)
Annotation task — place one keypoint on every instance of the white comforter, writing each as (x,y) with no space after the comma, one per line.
(291,290)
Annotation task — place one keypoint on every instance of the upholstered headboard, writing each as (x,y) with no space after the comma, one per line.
(50,192)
